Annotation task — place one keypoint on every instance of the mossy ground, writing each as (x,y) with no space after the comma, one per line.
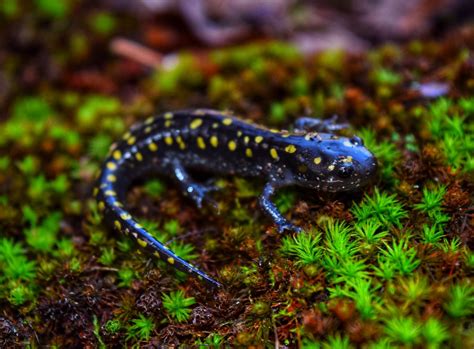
(391,266)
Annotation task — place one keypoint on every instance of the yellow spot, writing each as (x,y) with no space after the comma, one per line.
(110,193)
(127,135)
(180,142)
(331,167)
(168,115)
(152,146)
(347,159)
(101,205)
(232,145)
(111,178)
(138,226)
(170,260)
(117,204)
(168,123)
(200,142)
(195,123)
(246,139)
(148,129)
(248,152)
(149,120)
(273,130)
(215,125)
(274,154)
(156,254)
(111,166)
(214,141)
(317,160)
(131,140)
(168,140)
(227,121)
(258,139)
(125,216)
(290,149)
(95,191)
(142,243)
(139,156)
(239,133)
(285,135)
(118,225)
(117,155)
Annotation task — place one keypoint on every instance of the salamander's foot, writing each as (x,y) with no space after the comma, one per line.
(288,227)
(200,194)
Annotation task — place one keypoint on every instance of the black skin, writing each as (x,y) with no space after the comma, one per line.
(216,142)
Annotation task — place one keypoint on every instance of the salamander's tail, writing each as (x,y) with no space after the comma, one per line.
(110,204)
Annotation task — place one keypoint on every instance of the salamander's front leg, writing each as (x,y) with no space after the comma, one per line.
(270,209)
(317,125)
(199,193)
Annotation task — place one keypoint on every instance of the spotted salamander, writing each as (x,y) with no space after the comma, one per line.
(206,140)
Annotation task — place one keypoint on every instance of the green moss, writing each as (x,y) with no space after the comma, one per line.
(96,325)
(385,151)
(277,113)
(31,108)
(107,257)
(382,76)
(42,236)
(140,329)
(113,326)
(53,9)
(453,133)
(370,231)
(382,208)
(103,23)
(304,247)
(434,332)
(155,187)
(9,8)
(400,256)
(461,301)
(95,106)
(99,146)
(126,276)
(177,305)
(403,330)
(337,342)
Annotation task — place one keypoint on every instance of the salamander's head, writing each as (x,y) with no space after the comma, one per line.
(334,164)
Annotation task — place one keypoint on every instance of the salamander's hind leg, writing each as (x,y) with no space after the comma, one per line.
(318,125)
(199,193)
(270,209)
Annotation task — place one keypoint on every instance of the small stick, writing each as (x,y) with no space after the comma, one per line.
(136,52)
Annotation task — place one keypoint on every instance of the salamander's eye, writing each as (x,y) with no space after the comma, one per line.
(356,140)
(345,170)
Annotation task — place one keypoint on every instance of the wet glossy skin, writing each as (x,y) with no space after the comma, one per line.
(211,141)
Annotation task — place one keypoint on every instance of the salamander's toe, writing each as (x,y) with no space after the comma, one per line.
(288,227)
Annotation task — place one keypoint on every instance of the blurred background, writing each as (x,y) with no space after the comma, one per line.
(101,45)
